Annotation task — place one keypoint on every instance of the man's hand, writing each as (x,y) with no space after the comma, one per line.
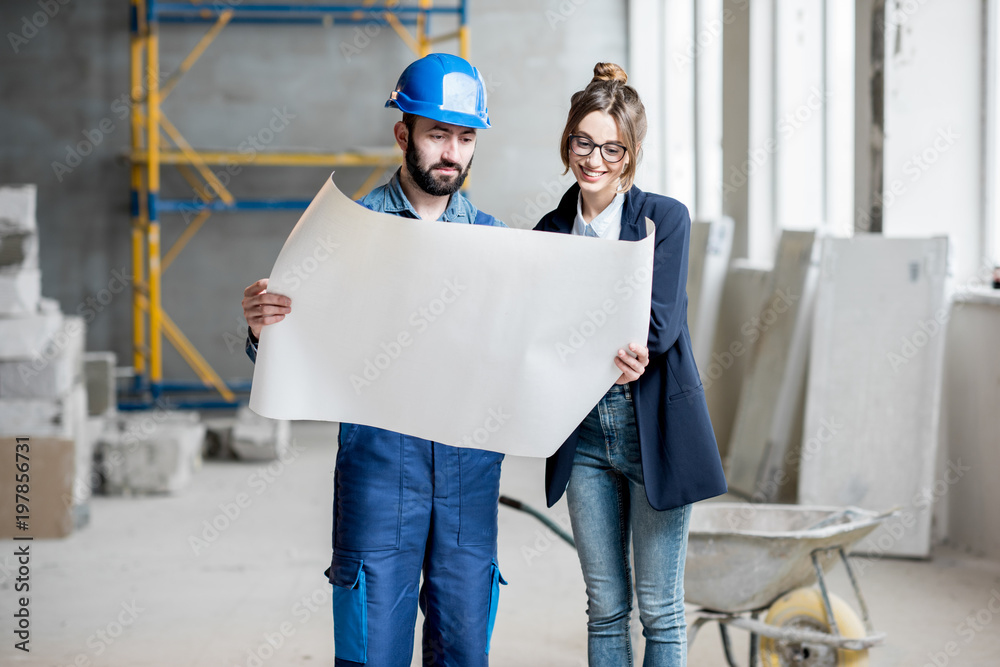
(631,367)
(261,308)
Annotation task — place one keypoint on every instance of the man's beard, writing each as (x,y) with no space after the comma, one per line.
(426,181)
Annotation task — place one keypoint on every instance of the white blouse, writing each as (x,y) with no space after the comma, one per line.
(607,224)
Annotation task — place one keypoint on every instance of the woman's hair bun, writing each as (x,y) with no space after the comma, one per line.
(609,72)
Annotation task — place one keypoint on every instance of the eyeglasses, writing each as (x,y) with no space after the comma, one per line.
(583,146)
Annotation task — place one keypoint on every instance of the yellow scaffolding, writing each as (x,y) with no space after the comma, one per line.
(156,142)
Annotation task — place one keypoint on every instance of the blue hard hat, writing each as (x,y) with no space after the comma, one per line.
(442,87)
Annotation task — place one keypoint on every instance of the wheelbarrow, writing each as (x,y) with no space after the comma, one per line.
(746,559)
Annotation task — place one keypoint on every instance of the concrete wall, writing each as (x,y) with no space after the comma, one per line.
(57,85)
(933,149)
(966,480)
(60,81)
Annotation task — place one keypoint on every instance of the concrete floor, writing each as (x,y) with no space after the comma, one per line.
(133,589)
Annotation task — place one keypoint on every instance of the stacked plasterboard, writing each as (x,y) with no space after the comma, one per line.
(42,393)
(761,461)
(708,261)
(873,403)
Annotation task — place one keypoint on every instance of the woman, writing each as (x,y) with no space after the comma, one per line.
(646,451)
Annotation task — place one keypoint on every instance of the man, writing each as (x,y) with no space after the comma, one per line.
(405,506)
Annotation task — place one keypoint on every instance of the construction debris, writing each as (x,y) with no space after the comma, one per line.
(256,438)
(150,452)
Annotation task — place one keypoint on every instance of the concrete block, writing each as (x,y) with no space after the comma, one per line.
(62,417)
(256,438)
(22,337)
(18,250)
(86,478)
(17,208)
(155,452)
(103,431)
(20,292)
(99,375)
(874,391)
(218,434)
(51,373)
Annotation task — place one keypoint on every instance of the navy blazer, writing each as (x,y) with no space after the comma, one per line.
(680,459)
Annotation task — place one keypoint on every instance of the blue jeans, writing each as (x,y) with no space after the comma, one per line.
(607,505)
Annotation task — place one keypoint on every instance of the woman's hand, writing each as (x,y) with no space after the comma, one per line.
(632,367)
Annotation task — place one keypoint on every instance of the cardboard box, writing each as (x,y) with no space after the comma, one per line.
(51,467)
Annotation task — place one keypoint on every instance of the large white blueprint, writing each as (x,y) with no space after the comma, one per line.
(473,336)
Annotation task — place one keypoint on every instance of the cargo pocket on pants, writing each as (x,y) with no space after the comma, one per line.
(479,489)
(496,579)
(350,608)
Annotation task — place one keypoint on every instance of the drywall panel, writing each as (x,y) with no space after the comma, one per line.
(873,402)
(775,373)
(747,286)
(708,261)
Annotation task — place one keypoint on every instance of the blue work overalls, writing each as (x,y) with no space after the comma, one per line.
(403,506)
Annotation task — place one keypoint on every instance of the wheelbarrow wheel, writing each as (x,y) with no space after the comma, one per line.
(804,608)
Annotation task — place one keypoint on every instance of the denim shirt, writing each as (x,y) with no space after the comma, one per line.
(391,199)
